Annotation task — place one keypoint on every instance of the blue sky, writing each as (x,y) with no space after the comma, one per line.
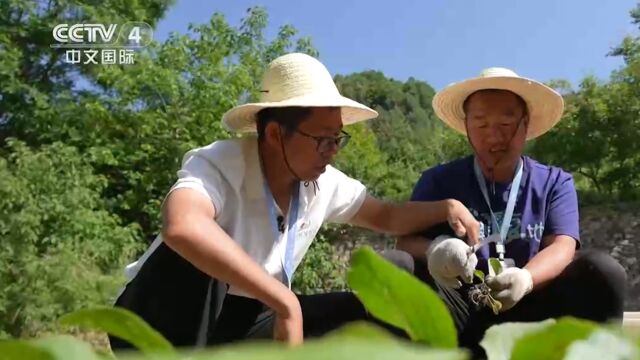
(441,41)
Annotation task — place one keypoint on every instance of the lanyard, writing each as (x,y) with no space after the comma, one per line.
(291,230)
(511,204)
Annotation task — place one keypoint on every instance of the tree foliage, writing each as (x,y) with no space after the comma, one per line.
(597,138)
(60,246)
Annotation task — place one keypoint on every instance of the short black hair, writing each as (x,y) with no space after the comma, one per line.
(287,117)
(522,103)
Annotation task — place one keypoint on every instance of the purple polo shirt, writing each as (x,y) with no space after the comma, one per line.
(547,204)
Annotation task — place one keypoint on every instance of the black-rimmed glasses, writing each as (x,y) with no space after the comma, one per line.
(326,143)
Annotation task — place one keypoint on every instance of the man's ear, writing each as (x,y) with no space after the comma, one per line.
(273,133)
(526,122)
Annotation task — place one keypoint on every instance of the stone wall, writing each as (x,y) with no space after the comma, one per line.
(616,230)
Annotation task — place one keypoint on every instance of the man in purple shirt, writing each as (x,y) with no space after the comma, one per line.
(528,213)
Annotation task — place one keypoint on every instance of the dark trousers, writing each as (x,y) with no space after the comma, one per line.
(171,295)
(243,318)
(591,287)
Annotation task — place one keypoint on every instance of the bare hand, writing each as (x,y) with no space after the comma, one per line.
(462,222)
(288,325)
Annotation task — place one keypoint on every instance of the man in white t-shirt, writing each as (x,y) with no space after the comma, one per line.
(243,212)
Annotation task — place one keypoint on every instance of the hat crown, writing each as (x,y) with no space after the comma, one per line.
(294,75)
(545,105)
(496,72)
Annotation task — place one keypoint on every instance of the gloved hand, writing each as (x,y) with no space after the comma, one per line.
(510,286)
(449,258)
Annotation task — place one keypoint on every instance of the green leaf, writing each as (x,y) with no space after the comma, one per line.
(552,342)
(363,330)
(66,347)
(479,274)
(400,299)
(62,347)
(495,265)
(353,341)
(334,348)
(23,350)
(603,344)
(499,340)
(123,324)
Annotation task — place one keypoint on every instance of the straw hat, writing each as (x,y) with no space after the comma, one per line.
(296,80)
(544,104)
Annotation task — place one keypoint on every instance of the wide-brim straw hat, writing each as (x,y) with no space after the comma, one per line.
(296,80)
(544,105)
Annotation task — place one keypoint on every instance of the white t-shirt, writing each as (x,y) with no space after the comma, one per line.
(228,173)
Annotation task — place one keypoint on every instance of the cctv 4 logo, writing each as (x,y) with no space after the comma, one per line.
(89,33)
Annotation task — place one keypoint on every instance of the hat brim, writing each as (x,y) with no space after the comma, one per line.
(242,118)
(545,105)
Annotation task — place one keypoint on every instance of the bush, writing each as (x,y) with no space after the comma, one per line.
(321,269)
(61,250)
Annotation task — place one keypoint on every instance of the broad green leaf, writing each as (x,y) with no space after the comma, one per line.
(363,330)
(479,274)
(495,265)
(66,347)
(552,341)
(123,324)
(62,347)
(603,344)
(400,299)
(23,350)
(335,349)
(499,339)
(355,341)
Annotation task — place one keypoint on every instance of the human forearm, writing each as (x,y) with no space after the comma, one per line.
(399,219)
(212,251)
(551,261)
(414,216)
(415,245)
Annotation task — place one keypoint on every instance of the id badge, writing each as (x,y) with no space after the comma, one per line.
(508,263)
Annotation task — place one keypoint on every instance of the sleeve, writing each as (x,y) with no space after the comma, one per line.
(426,190)
(562,216)
(347,198)
(199,174)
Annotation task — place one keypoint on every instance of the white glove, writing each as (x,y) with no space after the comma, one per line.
(449,258)
(510,286)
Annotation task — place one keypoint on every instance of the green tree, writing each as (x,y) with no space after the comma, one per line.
(407,132)
(32,74)
(597,136)
(134,122)
(61,250)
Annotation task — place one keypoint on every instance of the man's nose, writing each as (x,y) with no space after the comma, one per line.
(332,150)
(495,136)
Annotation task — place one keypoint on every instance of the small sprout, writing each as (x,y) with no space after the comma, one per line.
(495,304)
(480,295)
(495,265)
(479,274)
